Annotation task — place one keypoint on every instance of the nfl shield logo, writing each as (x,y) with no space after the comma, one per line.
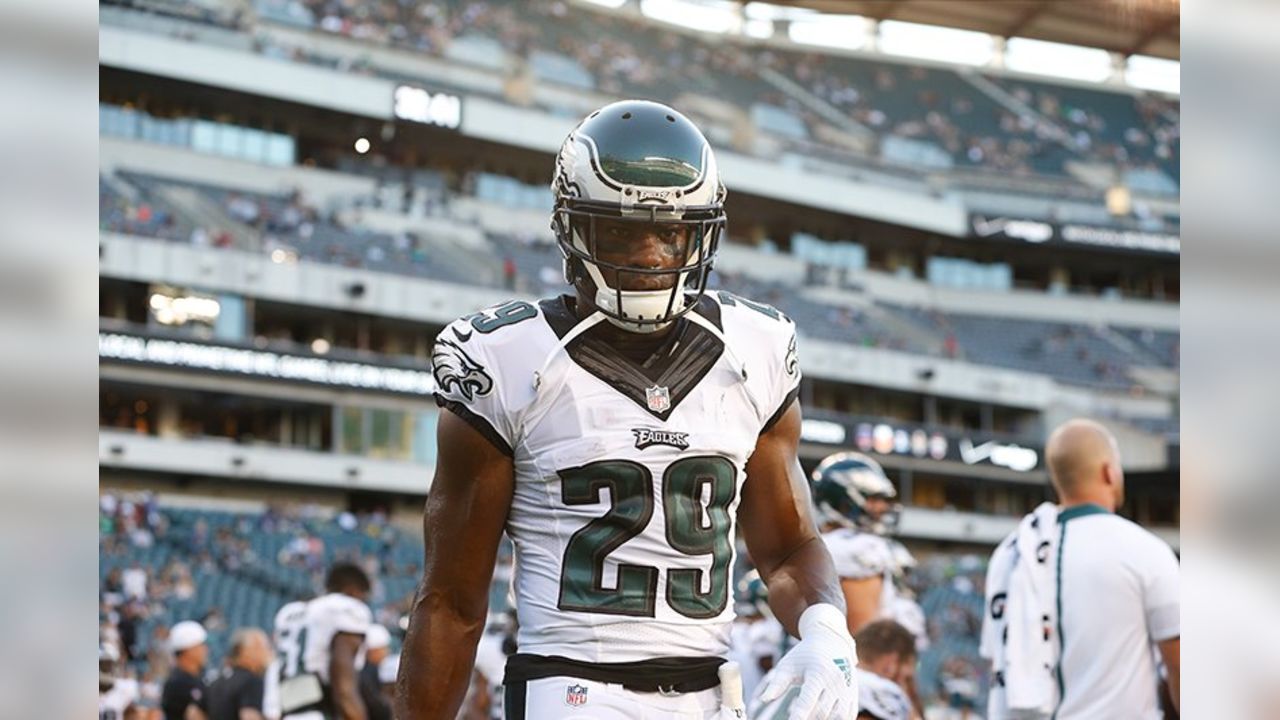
(658,398)
(575,695)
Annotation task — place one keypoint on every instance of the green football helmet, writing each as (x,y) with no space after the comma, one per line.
(643,162)
(841,485)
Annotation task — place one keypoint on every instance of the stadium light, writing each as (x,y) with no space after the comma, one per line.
(934,42)
(713,16)
(769,11)
(1049,58)
(1152,73)
(757,28)
(362,145)
(840,31)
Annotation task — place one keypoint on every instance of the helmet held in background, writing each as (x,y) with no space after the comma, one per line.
(852,490)
(632,168)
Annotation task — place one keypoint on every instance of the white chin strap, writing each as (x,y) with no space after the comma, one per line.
(636,304)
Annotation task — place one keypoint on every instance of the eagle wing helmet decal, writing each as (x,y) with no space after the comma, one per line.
(454,368)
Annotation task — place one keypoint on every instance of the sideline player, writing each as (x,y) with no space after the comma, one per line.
(319,643)
(618,434)
(117,696)
(857,506)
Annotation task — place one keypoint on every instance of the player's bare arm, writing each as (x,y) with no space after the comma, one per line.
(462,523)
(778,525)
(862,597)
(342,676)
(803,588)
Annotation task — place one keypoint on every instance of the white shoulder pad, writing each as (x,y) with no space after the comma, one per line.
(481,364)
(345,613)
(765,340)
(858,555)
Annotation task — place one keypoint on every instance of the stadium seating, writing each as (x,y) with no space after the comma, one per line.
(1071,353)
(949,589)
(247,565)
(930,116)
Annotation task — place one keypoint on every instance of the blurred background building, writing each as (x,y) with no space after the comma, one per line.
(971,210)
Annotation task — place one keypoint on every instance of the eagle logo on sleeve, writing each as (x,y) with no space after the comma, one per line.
(454,370)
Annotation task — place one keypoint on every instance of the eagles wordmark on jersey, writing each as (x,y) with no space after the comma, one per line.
(627,476)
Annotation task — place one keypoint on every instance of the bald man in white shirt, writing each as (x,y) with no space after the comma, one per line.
(1118,587)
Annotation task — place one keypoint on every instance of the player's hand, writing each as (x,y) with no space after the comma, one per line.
(823,664)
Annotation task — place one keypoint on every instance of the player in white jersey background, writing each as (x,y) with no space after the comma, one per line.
(620,435)
(320,646)
(117,696)
(857,506)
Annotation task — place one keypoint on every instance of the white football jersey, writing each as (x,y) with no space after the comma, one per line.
(628,477)
(113,703)
(857,554)
(304,632)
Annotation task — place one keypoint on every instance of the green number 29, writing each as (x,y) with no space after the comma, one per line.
(692,528)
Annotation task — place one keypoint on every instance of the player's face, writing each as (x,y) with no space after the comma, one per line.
(653,246)
(202,652)
(876,506)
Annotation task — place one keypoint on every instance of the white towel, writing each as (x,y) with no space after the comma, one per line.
(1019,628)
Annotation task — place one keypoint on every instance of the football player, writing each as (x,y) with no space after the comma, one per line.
(857,507)
(319,644)
(619,434)
(117,696)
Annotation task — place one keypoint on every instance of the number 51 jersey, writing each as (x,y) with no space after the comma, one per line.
(628,475)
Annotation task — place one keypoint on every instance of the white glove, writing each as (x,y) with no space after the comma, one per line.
(823,663)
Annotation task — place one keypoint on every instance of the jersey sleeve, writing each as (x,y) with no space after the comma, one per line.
(783,374)
(765,339)
(351,616)
(1161,593)
(468,383)
(859,556)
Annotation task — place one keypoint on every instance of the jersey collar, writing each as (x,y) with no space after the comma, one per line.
(1076,511)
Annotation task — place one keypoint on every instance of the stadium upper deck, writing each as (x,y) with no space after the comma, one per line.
(944,127)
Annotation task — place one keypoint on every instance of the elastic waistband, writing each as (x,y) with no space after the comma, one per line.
(667,675)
